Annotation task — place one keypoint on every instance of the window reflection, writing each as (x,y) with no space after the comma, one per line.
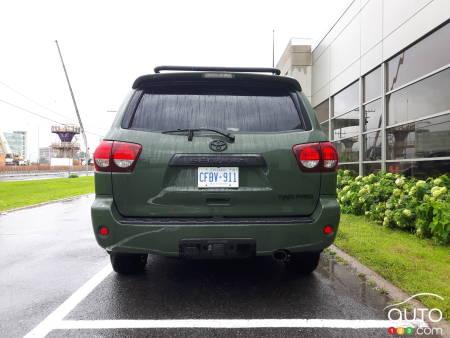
(369,168)
(348,149)
(372,146)
(427,138)
(372,84)
(346,125)
(419,169)
(322,111)
(325,127)
(406,144)
(346,99)
(420,99)
(354,168)
(372,115)
(425,56)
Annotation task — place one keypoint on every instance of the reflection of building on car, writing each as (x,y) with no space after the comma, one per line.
(215,163)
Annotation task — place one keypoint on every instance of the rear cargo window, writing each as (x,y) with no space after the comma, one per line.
(233,109)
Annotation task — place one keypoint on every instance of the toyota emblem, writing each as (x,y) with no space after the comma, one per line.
(217,145)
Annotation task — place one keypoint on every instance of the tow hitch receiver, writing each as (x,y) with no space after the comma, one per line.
(204,248)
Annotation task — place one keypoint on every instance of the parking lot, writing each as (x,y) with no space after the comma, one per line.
(56,281)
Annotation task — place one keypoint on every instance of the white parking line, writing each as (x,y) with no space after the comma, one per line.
(63,310)
(233,323)
(56,321)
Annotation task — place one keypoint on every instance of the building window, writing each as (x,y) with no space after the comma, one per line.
(17,141)
(419,169)
(372,115)
(405,115)
(352,167)
(372,85)
(372,146)
(429,96)
(433,52)
(322,111)
(325,127)
(346,99)
(426,138)
(346,125)
(370,168)
(348,149)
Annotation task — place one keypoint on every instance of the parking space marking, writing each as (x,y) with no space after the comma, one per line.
(49,323)
(233,323)
(55,321)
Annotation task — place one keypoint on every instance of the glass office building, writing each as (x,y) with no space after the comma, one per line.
(17,141)
(382,92)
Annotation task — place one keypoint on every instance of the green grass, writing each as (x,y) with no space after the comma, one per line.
(415,265)
(22,193)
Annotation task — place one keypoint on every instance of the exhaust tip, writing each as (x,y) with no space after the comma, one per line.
(281,255)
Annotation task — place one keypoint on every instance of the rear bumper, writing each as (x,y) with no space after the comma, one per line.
(146,236)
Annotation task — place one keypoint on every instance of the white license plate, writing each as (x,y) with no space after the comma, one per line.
(214,177)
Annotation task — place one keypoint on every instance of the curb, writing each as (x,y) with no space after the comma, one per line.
(5,212)
(393,291)
(51,175)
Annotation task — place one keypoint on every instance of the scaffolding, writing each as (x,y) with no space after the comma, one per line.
(67,146)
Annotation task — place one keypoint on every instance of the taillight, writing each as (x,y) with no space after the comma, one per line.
(112,156)
(125,155)
(102,156)
(316,157)
(329,155)
(309,156)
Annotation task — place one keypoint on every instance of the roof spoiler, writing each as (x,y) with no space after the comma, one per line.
(274,71)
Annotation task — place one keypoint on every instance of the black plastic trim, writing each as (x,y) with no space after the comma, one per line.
(201,248)
(213,160)
(219,69)
(246,79)
(216,220)
(131,109)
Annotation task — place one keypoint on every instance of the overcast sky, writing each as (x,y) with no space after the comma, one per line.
(107,44)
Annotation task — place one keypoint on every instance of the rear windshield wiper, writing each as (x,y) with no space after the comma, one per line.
(191,131)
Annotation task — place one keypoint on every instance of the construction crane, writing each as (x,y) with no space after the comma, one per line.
(75,105)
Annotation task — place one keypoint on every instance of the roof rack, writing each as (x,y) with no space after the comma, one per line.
(219,69)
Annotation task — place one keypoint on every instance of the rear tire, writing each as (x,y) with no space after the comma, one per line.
(127,264)
(303,262)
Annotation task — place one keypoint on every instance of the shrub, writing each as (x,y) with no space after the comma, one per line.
(396,201)
(73,176)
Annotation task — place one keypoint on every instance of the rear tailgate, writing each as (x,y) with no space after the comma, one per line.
(266,124)
(156,189)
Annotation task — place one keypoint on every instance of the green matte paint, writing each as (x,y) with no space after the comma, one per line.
(154,189)
(164,239)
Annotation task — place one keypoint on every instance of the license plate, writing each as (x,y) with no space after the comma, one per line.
(222,177)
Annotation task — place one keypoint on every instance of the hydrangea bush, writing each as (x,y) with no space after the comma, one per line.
(396,201)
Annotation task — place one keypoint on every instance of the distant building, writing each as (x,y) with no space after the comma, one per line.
(45,154)
(379,82)
(17,141)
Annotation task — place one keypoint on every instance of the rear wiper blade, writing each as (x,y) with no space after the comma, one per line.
(191,131)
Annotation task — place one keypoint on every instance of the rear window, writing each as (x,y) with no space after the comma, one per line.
(233,109)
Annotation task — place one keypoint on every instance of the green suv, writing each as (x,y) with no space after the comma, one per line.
(206,162)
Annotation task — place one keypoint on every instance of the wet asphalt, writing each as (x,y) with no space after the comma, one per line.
(48,252)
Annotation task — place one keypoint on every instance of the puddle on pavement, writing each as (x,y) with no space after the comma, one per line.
(343,279)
